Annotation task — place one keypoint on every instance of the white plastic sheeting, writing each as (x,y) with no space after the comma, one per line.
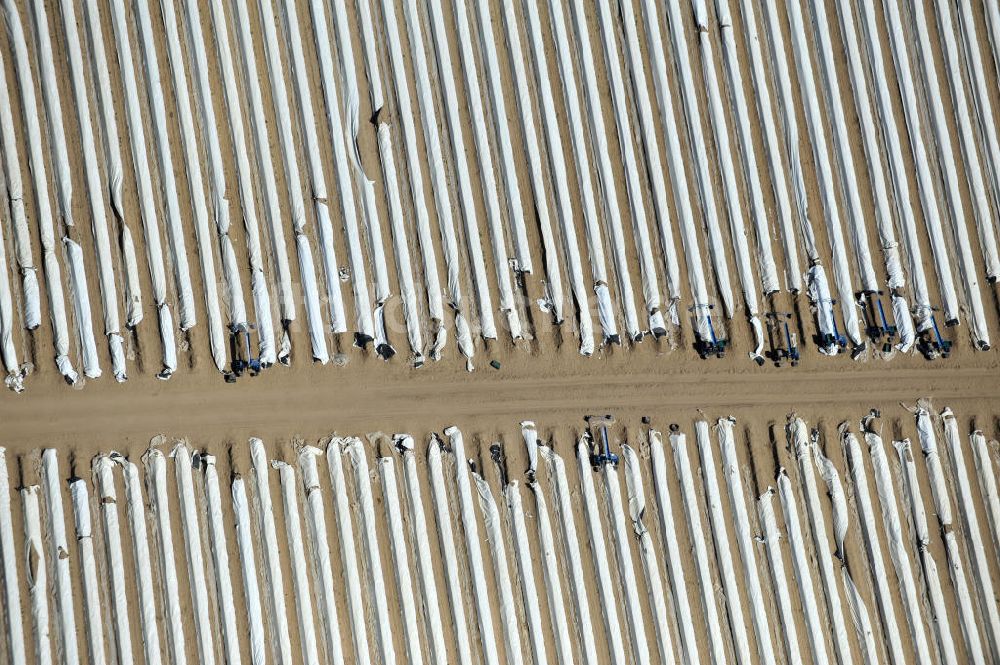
(474,100)
(81,310)
(37,578)
(143,564)
(576,126)
(699,148)
(421,543)
(931,576)
(31,113)
(297,555)
(633,171)
(526,572)
(144,182)
(452,574)
(281,646)
(598,550)
(804,449)
(818,289)
(216,522)
(474,556)
(188,502)
(678,442)
(674,556)
(319,547)
(647,552)
(873,547)
(400,560)
(156,482)
(88,571)
(95,193)
(58,543)
(827,181)
(501,572)
(348,554)
(14,621)
(942,508)
(803,575)
(571,551)
(475,255)
(439,181)
(967,512)
(771,537)
(376,580)
(723,550)
(987,482)
(897,550)
(725,151)
(117,596)
(744,537)
(248,570)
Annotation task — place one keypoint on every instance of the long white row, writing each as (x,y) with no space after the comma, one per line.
(592,209)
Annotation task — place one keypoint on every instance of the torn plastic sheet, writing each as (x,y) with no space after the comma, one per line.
(557,172)
(95,194)
(474,99)
(706,189)
(60,570)
(143,176)
(400,560)
(805,449)
(317,335)
(23,258)
(136,511)
(248,571)
(348,554)
(921,160)
(744,537)
(553,585)
(675,570)
(376,579)
(373,226)
(576,127)
(606,180)
(421,543)
(156,481)
(215,521)
(678,442)
(720,538)
(189,508)
(14,621)
(501,572)
(196,183)
(771,537)
(647,551)
(970,525)
(828,188)
(633,173)
(281,646)
(36,153)
(440,35)
(474,555)
(904,322)
(737,225)
(932,578)
(897,550)
(599,552)
(526,573)
(107,499)
(88,571)
(779,175)
(439,181)
(319,549)
(369,43)
(553,273)
(297,555)
(873,547)
(452,574)
(35,574)
(803,576)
